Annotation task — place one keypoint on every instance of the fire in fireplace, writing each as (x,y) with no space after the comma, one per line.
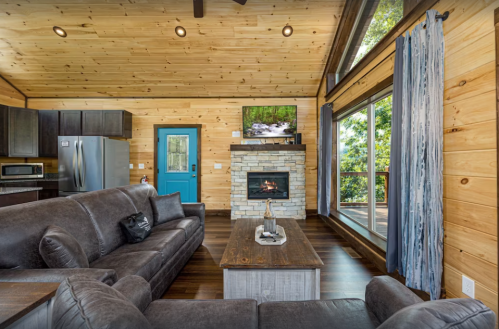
(264,185)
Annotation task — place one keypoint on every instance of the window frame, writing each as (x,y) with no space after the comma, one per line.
(369,103)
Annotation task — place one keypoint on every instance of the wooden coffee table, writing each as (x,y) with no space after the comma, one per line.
(270,273)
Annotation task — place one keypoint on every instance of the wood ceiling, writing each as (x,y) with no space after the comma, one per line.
(128,48)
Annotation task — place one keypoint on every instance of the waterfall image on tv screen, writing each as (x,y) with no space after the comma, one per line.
(269,121)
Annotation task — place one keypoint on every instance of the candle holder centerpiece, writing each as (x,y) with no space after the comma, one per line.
(270,233)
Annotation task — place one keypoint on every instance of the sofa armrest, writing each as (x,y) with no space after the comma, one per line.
(194,209)
(385,296)
(136,290)
(56,274)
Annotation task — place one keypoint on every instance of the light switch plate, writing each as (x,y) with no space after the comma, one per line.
(131,165)
(236,133)
(468,287)
(218,166)
(141,166)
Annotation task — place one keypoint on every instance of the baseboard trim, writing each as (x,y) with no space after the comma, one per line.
(218,212)
(226,212)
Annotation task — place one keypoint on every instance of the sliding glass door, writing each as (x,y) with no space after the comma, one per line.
(364,161)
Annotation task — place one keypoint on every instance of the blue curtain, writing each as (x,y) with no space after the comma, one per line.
(421,148)
(394,234)
(325,157)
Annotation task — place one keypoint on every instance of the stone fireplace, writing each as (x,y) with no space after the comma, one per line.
(259,172)
(264,185)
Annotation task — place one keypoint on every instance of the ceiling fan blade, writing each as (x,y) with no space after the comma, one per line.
(241,2)
(198,9)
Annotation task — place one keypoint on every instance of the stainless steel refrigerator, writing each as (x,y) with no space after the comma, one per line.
(91,163)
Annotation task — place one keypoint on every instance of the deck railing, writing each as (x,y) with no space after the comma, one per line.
(360,204)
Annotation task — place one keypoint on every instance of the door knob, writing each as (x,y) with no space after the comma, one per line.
(193,175)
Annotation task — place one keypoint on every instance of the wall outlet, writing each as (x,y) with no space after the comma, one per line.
(218,166)
(131,165)
(236,133)
(141,166)
(468,287)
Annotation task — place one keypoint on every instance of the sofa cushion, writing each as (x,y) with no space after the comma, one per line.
(142,263)
(106,209)
(339,314)
(465,313)
(22,227)
(139,194)
(81,302)
(166,208)
(189,225)
(206,314)
(59,249)
(165,242)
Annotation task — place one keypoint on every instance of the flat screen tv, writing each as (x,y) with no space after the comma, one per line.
(269,121)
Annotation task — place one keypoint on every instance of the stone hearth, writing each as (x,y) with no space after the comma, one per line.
(290,160)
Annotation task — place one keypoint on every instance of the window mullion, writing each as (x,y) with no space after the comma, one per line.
(371,168)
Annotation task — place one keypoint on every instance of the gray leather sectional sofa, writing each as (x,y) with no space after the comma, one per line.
(93,219)
(388,305)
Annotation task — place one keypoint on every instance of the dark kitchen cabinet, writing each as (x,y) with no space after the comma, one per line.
(117,123)
(50,189)
(18,132)
(91,123)
(4,130)
(48,130)
(70,123)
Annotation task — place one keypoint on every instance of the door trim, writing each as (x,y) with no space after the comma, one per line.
(198,127)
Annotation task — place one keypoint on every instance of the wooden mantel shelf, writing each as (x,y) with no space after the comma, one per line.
(268,147)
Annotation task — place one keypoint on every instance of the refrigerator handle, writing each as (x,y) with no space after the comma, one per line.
(83,166)
(75,157)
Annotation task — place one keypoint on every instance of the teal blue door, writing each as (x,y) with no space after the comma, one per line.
(178,162)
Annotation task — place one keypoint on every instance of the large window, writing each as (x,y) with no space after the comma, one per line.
(364,161)
(376,18)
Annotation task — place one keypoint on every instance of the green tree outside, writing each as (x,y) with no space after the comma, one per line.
(353,151)
(387,15)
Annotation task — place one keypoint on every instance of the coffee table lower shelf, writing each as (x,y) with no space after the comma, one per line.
(266,285)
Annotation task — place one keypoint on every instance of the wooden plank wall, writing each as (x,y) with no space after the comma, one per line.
(470,168)
(219,118)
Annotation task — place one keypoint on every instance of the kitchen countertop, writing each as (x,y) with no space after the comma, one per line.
(12,190)
(29,180)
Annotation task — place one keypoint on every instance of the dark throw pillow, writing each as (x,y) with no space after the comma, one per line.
(166,208)
(59,249)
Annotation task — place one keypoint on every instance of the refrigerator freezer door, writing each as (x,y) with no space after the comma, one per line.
(91,173)
(116,163)
(68,163)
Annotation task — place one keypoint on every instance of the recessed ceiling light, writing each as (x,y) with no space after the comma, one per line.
(60,32)
(287,31)
(181,32)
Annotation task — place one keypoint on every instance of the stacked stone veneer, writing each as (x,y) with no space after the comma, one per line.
(243,162)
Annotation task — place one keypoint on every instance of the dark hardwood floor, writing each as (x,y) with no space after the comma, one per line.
(341,277)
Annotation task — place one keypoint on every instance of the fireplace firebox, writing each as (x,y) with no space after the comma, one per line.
(264,185)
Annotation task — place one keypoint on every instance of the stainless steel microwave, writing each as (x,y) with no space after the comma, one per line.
(21,170)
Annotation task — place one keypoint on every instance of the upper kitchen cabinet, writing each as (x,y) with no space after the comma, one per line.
(19,132)
(91,123)
(108,123)
(70,123)
(117,123)
(48,130)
